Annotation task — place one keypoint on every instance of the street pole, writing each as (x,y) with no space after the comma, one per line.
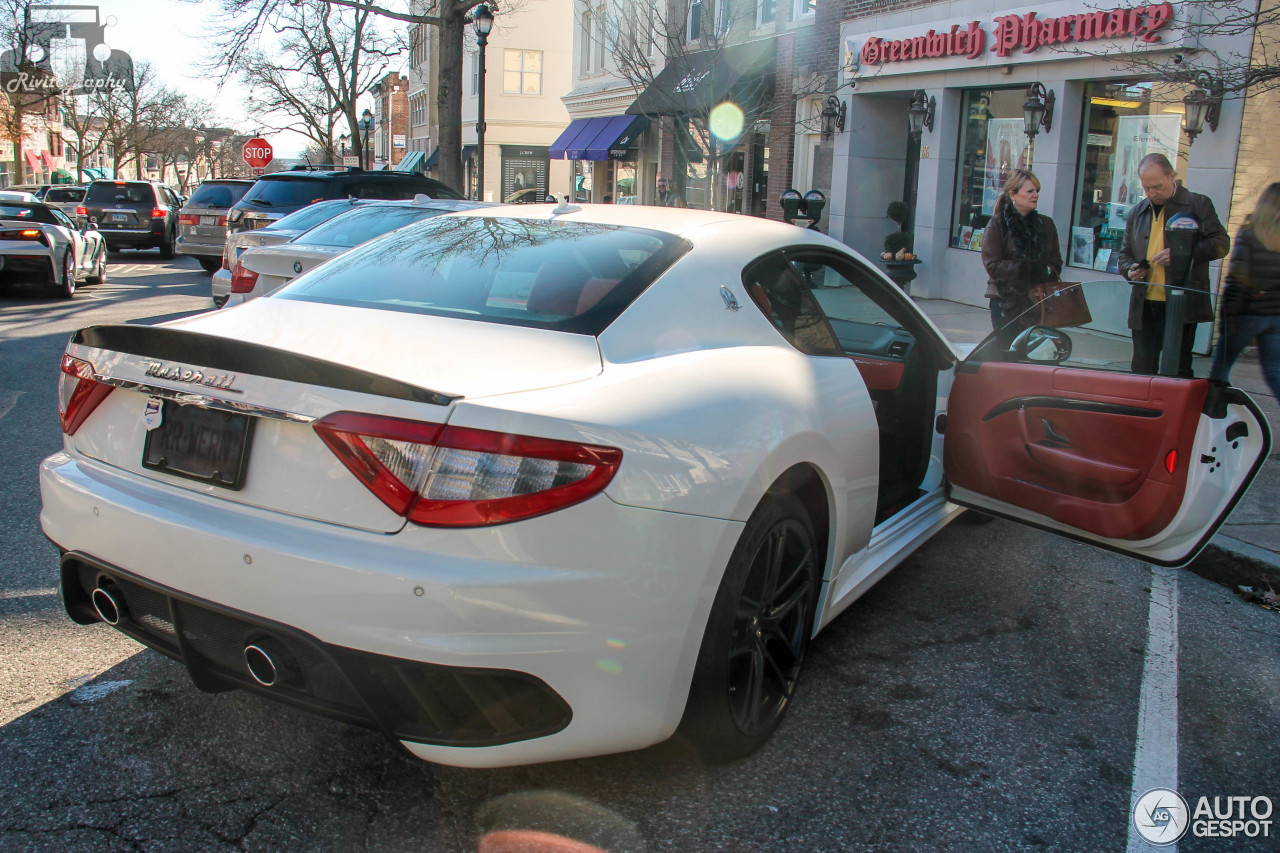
(482,21)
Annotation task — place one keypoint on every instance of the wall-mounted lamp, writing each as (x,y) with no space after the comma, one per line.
(832,116)
(920,113)
(1203,106)
(1037,112)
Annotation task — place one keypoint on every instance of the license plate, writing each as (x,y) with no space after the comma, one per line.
(208,220)
(119,217)
(200,444)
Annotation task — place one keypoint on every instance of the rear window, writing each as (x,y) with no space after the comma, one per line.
(363,224)
(32,212)
(105,191)
(211,194)
(64,194)
(311,215)
(567,276)
(286,192)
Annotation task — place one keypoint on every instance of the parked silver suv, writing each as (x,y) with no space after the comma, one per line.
(202,222)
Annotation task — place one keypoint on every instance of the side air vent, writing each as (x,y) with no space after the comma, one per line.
(899,349)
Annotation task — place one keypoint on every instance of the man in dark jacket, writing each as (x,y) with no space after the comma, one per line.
(1145,260)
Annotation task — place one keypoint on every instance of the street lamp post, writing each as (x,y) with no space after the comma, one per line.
(482,21)
(343,139)
(366,127)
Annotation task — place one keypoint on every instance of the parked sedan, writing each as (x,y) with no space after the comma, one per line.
(38,241)
(261,271)
(279,231)
(202,221)
(524,484)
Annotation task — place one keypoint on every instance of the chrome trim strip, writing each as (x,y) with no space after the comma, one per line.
(186,398)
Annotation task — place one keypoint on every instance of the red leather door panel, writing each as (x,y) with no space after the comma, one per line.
(1107,453)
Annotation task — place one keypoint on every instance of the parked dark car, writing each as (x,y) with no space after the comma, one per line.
(202,222)
(134,214)
(281,193)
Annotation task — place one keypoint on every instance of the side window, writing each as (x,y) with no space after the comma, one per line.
(779,289)
(848,298)
(61,218)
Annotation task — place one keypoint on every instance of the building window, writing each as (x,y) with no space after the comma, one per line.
(766,12)
(693,24)
(522,71)
(1123,122)
(805,7)
(992,144)
(584,53)
(475,73)
(722,17)
(602,22)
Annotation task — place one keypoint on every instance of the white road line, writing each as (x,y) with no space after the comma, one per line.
(1155,756)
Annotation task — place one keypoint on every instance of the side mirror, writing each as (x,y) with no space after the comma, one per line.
(1041,345)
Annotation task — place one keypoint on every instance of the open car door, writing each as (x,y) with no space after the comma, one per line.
(1054,431)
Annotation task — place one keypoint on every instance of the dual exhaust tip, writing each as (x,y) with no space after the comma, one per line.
(269,663)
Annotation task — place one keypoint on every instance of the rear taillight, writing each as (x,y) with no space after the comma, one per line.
(82,211)
(222,220)
(242,280)
(234,215)
(442,476)
(157,213)
(186,218)
(25,234)
(226,256)
(78,393)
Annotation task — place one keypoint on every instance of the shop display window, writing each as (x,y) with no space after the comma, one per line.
(1123,122)
(992,144)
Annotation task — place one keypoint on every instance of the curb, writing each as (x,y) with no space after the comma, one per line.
(1234,563)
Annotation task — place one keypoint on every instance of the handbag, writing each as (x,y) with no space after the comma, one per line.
(1061,303)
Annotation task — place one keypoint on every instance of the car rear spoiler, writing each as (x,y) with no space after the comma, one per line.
(231,356)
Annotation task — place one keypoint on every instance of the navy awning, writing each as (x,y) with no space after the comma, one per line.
(600,138)
(431,161)
(579,128)
(467,152)
(696,82)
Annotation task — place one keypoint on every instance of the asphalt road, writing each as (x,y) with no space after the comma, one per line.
(985,696)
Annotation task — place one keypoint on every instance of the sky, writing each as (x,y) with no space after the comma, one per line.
(174,37)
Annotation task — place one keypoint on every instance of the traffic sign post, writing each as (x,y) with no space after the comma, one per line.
(257,154)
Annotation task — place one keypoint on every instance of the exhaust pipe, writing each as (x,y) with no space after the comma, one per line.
(269,663)
(108,601)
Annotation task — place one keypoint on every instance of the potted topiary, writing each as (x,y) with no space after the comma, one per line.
(897,258)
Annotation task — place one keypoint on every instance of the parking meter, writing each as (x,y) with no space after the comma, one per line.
(814,202)
(791,202)
(1181,233)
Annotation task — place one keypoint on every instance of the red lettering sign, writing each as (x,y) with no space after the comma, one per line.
(1026,32)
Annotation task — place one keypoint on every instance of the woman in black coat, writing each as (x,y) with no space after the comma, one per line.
(1019,249)
(1250,306)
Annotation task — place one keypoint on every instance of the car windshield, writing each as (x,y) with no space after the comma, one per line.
(31,212)
(285,192)
(568,276)
(310,216)
(120,193)
(64,194)
(364,223)
(210,194)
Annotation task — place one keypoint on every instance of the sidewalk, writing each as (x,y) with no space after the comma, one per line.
(1246,551)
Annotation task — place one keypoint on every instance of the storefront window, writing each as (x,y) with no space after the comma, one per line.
(992,144)
(1123,122)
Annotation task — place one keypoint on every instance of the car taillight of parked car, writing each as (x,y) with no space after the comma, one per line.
(242,280)
(25,234)
(157,213)
(188,219)
(452,476)
(82,211)
(234,215)
(79,393)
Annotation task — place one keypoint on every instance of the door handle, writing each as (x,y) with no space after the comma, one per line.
(1052,435)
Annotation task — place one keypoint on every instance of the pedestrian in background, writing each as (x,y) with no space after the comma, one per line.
(1251,300)
(1145,261)
(668,197)
(1019,249)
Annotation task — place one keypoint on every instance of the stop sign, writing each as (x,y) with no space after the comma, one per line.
(257,153)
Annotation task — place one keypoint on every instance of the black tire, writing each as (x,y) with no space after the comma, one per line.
(757,635)
(66,288)
(99,267)
(211,264)
(166,248)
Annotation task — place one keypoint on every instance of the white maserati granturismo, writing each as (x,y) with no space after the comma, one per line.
(530,483)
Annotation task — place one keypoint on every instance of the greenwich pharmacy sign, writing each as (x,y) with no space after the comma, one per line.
(1010,37)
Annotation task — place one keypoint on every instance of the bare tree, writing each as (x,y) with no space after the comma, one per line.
(311,60)
(87,125)
(29,90)
(137,117)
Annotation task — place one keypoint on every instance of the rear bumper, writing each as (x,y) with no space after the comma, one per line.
(132,237)
(601,604)
(220,286)
(198,249)
(34,264)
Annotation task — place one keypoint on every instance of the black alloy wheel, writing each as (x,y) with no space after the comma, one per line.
(757,635)
(66,288)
